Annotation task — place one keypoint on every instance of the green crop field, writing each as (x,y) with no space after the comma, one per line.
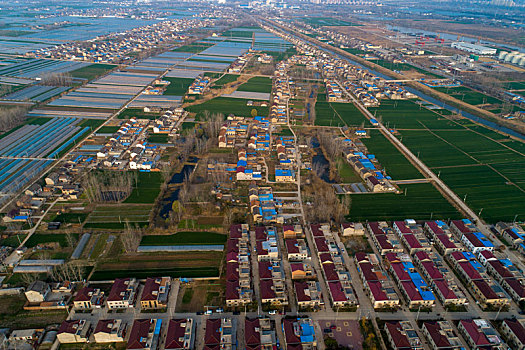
(39,238)
(185,238)
(431,149)
(193,48)
(394,162)
(178,86)
(409,115)
(158,138)
(515,85)
(226,106)
(118,214)
(226,79)
(108,129)
(327,21)
(92,71)
(175,272)
(467,156)
(350,114)
(137,113)
(486,191)
(325,115)
(147,188)
(468,95)
(257,84)
(421,202)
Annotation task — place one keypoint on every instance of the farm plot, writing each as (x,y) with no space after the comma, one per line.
(486,191)
(36,93)
(199,264)
(92,71)
(160,101)
(185,238)
(410,115)
(325,115)
(193,48)
(146,189)
(116,216)
(35,68)
(257,84)
(430,149)
(178,86)
(226,106)
(349,113)
(468,95)
(327,21)
(34,141)
(421,202)
(226,79)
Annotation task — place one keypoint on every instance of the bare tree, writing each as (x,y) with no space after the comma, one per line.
(12,117)
(131,237)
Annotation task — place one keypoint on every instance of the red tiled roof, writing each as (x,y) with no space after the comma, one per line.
(213,335)
(139,332)
(444,289)
(447,243)
(400,272)
(232,271)
(291,246)
(377,291)
(517,328)
(412,241)
(83,294)
(460,226)
(119,286)
(267,291)
(485,289)
(470,271)
(432,270)
(434,227)
(501,269)
(515,285)
(316,230)
(400,340)
(433,328)
(472,330)
(325,258)
(336,290)
(288,327)
(236,231)
(175,332)
(103,326)
(265,271)
(320,243)
(252,333)
(300,288)
(150,286)
(232,290)
(402,227)
(411,291)
(330,272)
(69,326)
(376,230)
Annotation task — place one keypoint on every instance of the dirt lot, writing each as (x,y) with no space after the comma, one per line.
(160,260)
(194,296)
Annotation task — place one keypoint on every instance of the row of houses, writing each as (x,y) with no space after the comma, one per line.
(272,283)
(336,275)
(239,290)
(368,167)
(144,334)
(415,290)
(123,294)
(475,277)
(376,282)
(506,273)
